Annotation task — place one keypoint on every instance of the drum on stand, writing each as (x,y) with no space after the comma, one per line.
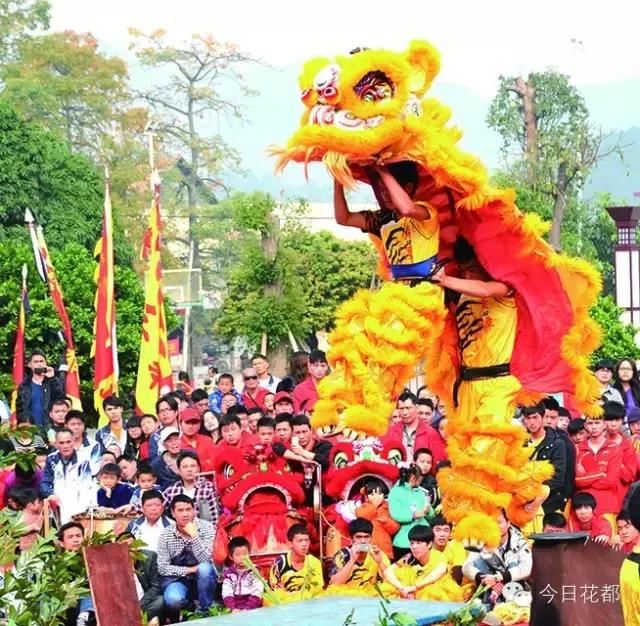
(101,520)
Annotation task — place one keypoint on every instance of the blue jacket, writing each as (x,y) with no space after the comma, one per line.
(120,495)
(134,525)
(216,398)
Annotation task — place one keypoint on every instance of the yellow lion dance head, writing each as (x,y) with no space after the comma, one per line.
(369,107)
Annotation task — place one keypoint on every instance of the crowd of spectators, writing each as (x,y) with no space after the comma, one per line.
(158,470)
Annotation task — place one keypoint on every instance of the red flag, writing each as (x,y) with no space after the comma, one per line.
(48,274)
(154,369)
(18,349)
(105,349)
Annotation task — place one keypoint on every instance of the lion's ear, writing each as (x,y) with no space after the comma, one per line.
(310,71)
(425,60)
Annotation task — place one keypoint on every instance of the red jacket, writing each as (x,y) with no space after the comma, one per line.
(204,447)
(256,399)
(426,437)
(600,474)
(305,395)
(629,468)
(246,439)
(599,526)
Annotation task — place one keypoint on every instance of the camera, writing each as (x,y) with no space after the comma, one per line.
(363,547)
(40,370)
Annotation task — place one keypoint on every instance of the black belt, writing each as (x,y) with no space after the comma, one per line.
(479,373)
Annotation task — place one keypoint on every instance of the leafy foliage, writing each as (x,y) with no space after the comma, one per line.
(330,269)
(46,583)
(618,340)
(300,287)
(61,81)
(38,172)
(549,143)
(75,268)
(18,18)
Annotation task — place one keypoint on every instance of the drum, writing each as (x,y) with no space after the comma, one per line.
(101,520)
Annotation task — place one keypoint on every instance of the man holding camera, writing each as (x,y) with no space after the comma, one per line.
(38,391)
(361,566)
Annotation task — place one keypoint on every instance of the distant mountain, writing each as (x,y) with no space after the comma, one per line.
(275,112)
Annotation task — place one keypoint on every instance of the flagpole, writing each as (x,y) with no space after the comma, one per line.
(104,348)
(154,369)
(17,372)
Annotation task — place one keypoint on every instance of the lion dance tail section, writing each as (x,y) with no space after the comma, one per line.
(379,339)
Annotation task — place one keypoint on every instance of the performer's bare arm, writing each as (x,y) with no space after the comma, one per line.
(400,198)
(471,287)
(343,216)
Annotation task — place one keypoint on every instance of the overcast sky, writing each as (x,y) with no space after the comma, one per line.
(478,39)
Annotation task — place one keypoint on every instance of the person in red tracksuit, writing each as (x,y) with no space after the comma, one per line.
(415,433)
(598,469)
(614,413)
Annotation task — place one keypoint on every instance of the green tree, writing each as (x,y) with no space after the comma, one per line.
(263,295)
(38,172)
(18,20)
(286,279)
(198,73)
(64,83)
(330,269)
(75,268)
(549,142)
(618,340)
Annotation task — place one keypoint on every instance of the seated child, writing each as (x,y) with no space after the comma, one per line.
(423,458)
(584,518)
(112,493)
(241,590)
(452,550)
(296,575)
(357,569)
(409,506)
(627,533)
(376,510)
(422,574)
(554,523)
(145,481)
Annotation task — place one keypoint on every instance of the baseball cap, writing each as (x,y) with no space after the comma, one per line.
(189,415)
(282,396)
(167,432)
(634,416)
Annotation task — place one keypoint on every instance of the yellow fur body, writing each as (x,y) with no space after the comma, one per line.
(381,336)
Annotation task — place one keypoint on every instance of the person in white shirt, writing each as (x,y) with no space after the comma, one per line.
(265,379)
(88,449)
(149,526)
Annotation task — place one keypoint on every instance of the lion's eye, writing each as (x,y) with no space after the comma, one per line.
(340,460)
(374,87)
(395,456)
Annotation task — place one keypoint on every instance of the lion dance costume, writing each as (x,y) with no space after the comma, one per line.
(369,108)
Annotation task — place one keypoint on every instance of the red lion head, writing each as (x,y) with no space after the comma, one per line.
(261,496)
(353,462)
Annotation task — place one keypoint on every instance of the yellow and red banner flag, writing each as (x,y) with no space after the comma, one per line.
(48,275)
(104,350)
(18,348)
(154,368)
